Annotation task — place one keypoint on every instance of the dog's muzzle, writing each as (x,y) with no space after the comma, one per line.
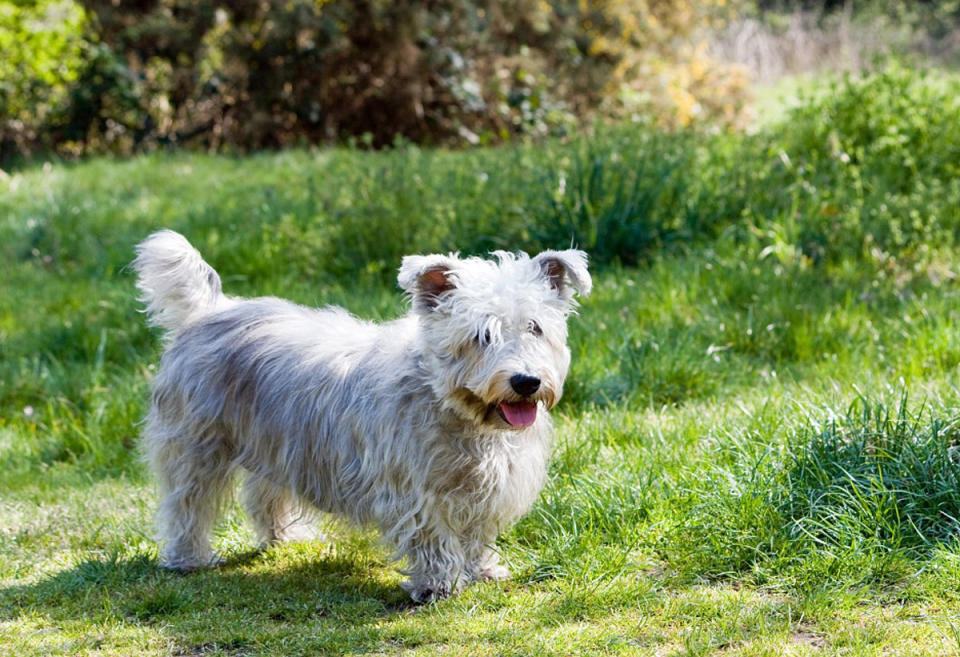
(522,412)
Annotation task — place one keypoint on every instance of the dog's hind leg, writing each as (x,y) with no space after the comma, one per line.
(194,478)
(276,514)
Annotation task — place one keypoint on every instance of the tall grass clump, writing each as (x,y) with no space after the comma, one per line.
(881,474)
(848,500)
(616,204)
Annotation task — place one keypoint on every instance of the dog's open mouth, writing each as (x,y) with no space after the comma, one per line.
(518,414)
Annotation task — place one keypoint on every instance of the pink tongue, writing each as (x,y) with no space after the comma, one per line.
(519,414)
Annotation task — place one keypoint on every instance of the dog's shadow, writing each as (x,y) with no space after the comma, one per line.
(333,591)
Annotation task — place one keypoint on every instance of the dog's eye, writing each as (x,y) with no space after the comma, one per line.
(534,328)
(483,339)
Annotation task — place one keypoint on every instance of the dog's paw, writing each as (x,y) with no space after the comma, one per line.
(184,565)
(488,567)
(294,533)
(495,571)
(424,593)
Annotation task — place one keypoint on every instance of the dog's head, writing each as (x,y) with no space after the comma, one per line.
(494,332)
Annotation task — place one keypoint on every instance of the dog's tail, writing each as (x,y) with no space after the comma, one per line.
(175,283)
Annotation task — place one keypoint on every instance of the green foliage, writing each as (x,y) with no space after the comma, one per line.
(43,54)
(246,75)
(877,162)
(869,169)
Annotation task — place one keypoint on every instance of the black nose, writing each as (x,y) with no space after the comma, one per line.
(524,385)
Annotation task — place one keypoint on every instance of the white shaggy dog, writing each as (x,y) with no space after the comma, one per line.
(433,427)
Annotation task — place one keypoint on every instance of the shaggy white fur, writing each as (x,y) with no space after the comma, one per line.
(433,427)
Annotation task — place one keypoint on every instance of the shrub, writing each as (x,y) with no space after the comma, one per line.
(43,53)
(246,74)
(872,166)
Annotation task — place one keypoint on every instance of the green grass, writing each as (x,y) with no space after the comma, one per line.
(756,453)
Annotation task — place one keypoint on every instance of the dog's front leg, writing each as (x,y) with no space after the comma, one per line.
(435,566)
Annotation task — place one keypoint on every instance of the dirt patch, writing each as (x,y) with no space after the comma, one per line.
(807,638)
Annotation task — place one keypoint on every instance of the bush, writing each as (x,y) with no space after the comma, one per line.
(43,54)
(872,166)
(246,74)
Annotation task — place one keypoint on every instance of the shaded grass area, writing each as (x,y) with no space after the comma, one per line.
(755,454)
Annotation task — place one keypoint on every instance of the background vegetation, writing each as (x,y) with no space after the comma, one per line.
(95,75)
(757,449)
(92,76)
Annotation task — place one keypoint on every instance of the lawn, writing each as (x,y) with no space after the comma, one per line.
(756,453)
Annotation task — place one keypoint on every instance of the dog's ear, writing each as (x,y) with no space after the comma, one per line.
(565,268)
(426,279)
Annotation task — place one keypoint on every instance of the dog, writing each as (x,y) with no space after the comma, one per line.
(433,427)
